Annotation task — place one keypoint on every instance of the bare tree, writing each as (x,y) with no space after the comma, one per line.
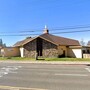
(82,43)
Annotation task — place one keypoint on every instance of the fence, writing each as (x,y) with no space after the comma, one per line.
(86,55)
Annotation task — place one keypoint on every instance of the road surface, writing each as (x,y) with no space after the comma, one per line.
(18,76)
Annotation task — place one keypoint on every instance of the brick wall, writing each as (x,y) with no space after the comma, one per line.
(30,49)
(49,49)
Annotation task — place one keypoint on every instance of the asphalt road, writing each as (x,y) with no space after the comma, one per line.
(44,76)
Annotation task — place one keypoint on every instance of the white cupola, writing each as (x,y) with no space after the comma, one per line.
(45,30)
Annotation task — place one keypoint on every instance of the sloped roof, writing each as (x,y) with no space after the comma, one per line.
(51,38)
(23,42)
(80,47)
(59,40)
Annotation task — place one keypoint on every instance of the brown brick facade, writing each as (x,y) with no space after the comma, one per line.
(30,49)
(48,49)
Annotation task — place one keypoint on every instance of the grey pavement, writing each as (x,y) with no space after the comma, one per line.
(48,62)
(37,76)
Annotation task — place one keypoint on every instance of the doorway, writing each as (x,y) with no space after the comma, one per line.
(39,46)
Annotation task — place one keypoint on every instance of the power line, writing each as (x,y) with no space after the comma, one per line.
(17,34)
(78,27)
(71,32)
(52,29)
(76,31)
(26,33)
(62,28)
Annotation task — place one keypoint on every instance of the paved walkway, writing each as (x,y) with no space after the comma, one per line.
(49,62)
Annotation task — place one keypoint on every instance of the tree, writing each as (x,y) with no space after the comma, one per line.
(88,43)
(2,44)
(82,42)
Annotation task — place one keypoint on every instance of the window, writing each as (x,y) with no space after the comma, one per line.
(83,51)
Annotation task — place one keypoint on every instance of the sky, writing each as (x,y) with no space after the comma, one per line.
(23,18)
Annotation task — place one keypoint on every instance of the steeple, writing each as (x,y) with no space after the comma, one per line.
(45,30)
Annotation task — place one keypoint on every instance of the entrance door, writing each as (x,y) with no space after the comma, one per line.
(39,46)
(63,53)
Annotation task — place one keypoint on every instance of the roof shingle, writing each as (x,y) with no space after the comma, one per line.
(23,42)
(51,38)
(60,40)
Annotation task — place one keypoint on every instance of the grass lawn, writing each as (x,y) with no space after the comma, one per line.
(45,59)
(67,59)
(16,58)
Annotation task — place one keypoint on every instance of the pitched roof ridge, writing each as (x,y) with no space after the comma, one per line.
(63,37)
(47,36)
(57,40)
(60,40)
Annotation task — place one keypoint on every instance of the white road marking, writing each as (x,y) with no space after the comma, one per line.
(88,69)
(84,75)
(62,74)
(14,66)
(8,69)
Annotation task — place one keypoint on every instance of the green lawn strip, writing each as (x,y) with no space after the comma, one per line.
(16,58)
(67,59)
(44,59)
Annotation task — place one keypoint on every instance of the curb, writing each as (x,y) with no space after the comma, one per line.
(18,88)
(51,62)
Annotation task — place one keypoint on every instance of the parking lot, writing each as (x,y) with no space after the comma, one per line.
(26,76)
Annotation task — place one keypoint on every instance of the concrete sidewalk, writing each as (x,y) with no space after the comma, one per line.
(49,62)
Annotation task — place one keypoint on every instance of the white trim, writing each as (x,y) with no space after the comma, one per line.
(88,69)
(22,51)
